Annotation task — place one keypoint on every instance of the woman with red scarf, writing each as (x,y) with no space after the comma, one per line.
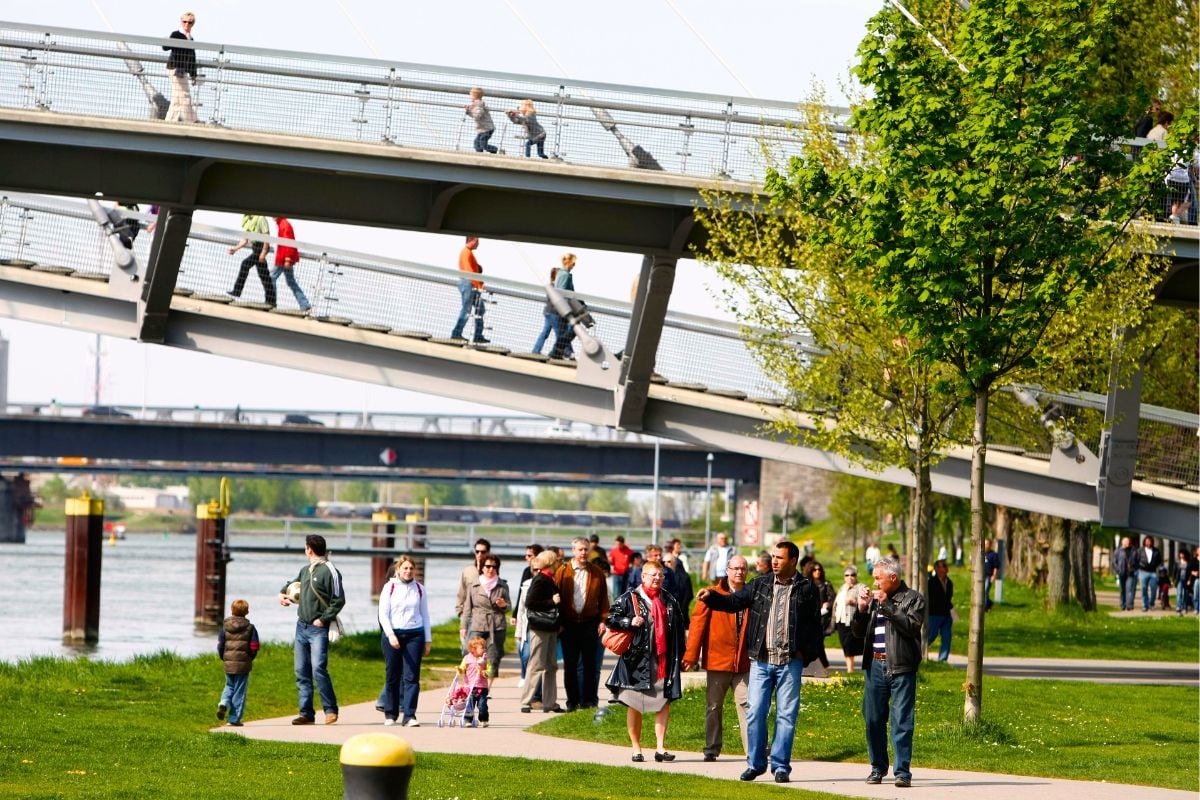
(646,678)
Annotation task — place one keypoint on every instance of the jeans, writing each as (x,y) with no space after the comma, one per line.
(550,325)
(1128,586)
(290,276)
(541,146)
(1148,581)
(564,334)
(403,670)
(886,692)
(783,682)
(478,697)
(264,275)
(234,696)
(481,142)
(1183,597)
(942,626)
(580,676)
(312,666)
(471,301)
(523,653)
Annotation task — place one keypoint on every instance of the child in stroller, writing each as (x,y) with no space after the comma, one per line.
(454,708)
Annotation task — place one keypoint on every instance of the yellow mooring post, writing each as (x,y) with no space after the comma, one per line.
(211,558)
(377,766)
(81,587)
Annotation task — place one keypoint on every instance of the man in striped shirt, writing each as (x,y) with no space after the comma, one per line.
(889,619)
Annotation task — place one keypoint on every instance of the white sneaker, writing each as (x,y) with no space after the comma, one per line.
(412,723)
(521,683)
(483,724)
(389,722)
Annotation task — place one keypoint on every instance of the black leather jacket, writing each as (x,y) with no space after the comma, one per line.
(804,615)
(904,614)
(638,668)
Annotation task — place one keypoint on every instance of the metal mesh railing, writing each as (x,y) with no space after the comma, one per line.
(387,295)
(414,299)
(410,105)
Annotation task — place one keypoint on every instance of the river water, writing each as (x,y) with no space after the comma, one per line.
(147,595)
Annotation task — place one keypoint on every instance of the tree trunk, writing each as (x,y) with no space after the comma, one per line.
(1081,565)
(959,549)
(922,539)
(1058,590)
(973,688)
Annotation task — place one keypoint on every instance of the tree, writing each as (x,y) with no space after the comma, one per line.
(858,506)
(990,201)
(360,492)
(609,499)
(439,494)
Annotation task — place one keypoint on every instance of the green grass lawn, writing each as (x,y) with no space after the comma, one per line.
(1056,729)
(81,729)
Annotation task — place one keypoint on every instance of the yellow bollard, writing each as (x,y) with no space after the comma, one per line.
(377,766)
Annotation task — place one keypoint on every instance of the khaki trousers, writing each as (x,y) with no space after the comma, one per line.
(719,684)
(181,109)
(543,667)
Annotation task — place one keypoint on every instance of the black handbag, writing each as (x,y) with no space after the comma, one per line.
(542,620)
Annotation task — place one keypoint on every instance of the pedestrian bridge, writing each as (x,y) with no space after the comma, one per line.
(384,321)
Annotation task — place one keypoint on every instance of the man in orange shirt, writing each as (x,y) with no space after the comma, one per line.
(470,290)
(717,640)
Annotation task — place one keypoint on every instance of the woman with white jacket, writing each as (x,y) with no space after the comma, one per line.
(407,638)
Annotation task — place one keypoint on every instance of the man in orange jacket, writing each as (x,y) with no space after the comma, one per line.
(471,291)
(721,635)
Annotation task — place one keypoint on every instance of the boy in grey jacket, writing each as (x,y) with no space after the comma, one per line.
(484,127)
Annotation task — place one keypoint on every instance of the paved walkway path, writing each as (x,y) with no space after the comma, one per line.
(507,736)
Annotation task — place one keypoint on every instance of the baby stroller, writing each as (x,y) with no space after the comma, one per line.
(455,706)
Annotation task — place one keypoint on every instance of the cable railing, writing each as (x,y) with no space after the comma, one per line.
(420,301)
(66,70)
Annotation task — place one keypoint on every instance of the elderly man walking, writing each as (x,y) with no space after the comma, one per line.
(717,641)
(584,593)
(889,619)
(784,635)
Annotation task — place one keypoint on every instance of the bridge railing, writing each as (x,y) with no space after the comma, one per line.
(406,298)
(408,105)
(367,291)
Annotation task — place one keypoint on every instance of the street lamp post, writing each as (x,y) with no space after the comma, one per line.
(708,504)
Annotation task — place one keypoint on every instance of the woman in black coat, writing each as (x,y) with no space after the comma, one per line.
(542,667)
(646,678)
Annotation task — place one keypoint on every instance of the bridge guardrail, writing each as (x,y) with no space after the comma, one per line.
(394,103)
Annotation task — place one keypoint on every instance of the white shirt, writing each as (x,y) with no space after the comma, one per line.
(404,606)
(581,585)
(718,557)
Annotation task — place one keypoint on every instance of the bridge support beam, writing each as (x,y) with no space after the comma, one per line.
(1118,449)
(162,272)
(654,287)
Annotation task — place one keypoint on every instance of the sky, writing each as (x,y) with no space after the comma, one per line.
(769,49)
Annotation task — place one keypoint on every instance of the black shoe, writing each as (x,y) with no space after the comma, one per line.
(875,777)
(481,340)
(221,711)
(526,710)
(572,706)
(638,757)
(904,783)
(234,724)
(663,756)
(709,757)
(302,720)
(781,776)
(749,775)
(555,709)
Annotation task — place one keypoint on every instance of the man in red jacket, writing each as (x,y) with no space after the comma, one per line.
(286,259)
(618,559)
(721,635)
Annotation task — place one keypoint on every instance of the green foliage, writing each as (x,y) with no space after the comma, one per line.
(609,499)
(1062,729)
(489,494)
(54,491)
(440,494)
(360,492)
(264,495)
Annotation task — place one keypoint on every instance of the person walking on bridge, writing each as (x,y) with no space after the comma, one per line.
(256,224)
(471,291)
(286,259)
(181,66)
(484,127)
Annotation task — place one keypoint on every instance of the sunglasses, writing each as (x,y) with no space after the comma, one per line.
(491,566)
(480,552)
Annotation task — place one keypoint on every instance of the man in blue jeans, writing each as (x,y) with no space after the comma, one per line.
(470,289)
(1147,560)
(783,636)
(940,600)
(321,599)
(889,620)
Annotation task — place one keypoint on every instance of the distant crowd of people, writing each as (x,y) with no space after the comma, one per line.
(1143,570)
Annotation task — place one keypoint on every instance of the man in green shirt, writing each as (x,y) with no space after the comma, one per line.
(253,223)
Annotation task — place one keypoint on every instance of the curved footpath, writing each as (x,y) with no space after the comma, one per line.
(507,737)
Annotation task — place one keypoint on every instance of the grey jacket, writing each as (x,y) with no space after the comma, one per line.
(483,118)
(533,129)
(903,614)
(480,612)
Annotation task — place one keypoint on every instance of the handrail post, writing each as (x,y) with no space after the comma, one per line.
(389,106)
(218,89)
(558,121)
(724,173)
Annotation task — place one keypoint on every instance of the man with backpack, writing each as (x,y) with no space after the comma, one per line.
(321,599)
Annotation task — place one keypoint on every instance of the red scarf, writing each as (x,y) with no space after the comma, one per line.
(658,613)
